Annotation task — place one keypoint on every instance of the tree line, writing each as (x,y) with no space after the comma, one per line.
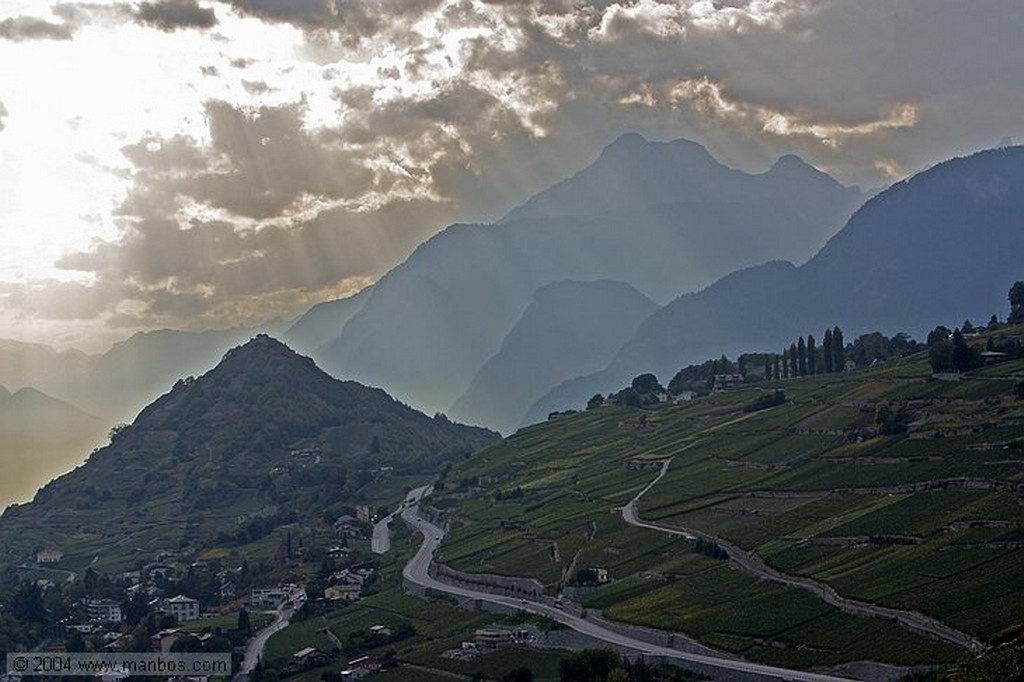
(948,351)
(804,358)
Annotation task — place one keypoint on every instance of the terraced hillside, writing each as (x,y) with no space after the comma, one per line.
(882,486)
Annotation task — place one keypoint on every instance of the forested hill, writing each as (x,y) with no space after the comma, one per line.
(264,432)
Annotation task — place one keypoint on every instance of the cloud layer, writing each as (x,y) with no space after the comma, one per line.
(170,15)
(317,171)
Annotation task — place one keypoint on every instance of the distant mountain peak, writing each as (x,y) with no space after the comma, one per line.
(634,147)
(627,140)
(790,167)
(262,345)
(790,161)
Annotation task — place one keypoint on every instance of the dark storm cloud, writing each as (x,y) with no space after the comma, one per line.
(22,28)
(258,165)
(166,15)
(307,12)
(171,15)
(366,14)
(335,24)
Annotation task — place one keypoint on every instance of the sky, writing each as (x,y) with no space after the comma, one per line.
(196,164)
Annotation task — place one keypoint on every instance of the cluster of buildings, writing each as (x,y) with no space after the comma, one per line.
(347,584)
(270,598)
(488,639)
(311,657)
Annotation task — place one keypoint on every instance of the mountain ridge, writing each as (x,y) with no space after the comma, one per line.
(434,320)
(904,260)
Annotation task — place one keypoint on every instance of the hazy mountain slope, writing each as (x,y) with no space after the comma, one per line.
(642,173)
(136,371)
(220,446)
(117,384)
(40,438)
(324,322)
(570,328)
(64,374)
(944,245)
(662,217)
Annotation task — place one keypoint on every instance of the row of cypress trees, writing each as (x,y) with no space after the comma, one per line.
(803,358)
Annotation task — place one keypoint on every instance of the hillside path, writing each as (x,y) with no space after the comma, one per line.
(755,565)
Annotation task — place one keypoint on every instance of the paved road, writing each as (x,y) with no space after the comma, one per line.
(756,566)
(69,576)
(254,649)
(380,543)
(417,572)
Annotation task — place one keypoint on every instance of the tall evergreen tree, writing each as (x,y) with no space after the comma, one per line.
(826,352)
(838,350)
(793,367)
(775,368)
(964,358)
(742,361)
(1016,297)
(244,622)
(767,369)
(801,357)
(812,355)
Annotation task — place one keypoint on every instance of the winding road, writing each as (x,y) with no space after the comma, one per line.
(380,543)
(254,649)
(417,571)
(754,565)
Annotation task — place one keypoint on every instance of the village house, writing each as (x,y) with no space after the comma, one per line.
(361,667)
(310,657)
(492,638)
(49,556)
(723,382)
(337,552)
(267,598)
(182,608)
(158,570)
(344,592)
(104,611)
(162,641)
(348,526)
